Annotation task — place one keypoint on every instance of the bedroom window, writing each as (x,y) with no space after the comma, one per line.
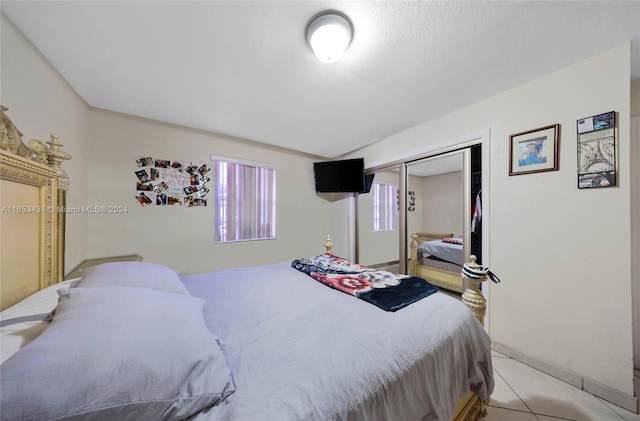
(245,202)
(385,209)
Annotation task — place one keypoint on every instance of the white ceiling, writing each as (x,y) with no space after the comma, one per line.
(243,69)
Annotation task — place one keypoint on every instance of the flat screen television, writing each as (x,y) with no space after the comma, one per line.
(343,176)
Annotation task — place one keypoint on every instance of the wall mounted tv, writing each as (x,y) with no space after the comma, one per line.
(343,176)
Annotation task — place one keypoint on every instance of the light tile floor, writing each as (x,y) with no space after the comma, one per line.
(523,393)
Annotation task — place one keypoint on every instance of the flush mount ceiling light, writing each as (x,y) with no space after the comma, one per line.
(329,34)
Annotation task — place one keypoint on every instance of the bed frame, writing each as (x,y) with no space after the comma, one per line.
(471,407)
(32,223)
(441,278)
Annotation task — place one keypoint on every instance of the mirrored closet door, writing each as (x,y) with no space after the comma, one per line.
(438,218)
(435,196)
(378,219)
(420,200)
(443,215)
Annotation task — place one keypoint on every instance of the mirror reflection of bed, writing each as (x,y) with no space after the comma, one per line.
(439,183)
(444,230)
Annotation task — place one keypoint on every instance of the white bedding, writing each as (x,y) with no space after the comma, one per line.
(299,350)
(449,252)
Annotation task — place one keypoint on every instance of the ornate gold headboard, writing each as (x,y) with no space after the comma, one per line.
(32,218)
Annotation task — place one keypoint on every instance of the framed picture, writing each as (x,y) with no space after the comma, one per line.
(535,150)
(597,151)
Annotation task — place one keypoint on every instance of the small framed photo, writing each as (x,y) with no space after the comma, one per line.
(597,122)
(535,150)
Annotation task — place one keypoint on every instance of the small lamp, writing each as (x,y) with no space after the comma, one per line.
(329,34)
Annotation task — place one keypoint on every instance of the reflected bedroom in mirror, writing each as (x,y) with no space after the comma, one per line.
(378,221)
(444,229)
(439,224)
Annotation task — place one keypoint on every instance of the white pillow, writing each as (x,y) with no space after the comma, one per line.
(133,274)
(24,321)
(117,353)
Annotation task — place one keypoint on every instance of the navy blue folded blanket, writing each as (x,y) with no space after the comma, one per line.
(386,290)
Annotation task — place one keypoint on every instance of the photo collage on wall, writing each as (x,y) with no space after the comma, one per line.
(171,183)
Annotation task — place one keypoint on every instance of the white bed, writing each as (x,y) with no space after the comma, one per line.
(289,348)
(300,350)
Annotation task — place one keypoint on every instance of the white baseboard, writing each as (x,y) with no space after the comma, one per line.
(609,394)
(630,403)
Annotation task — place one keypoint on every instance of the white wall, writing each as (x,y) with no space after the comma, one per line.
(40,103)
(183,237)
(563,254)
(443,210)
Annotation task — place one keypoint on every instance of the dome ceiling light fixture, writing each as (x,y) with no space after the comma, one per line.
(329,33)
